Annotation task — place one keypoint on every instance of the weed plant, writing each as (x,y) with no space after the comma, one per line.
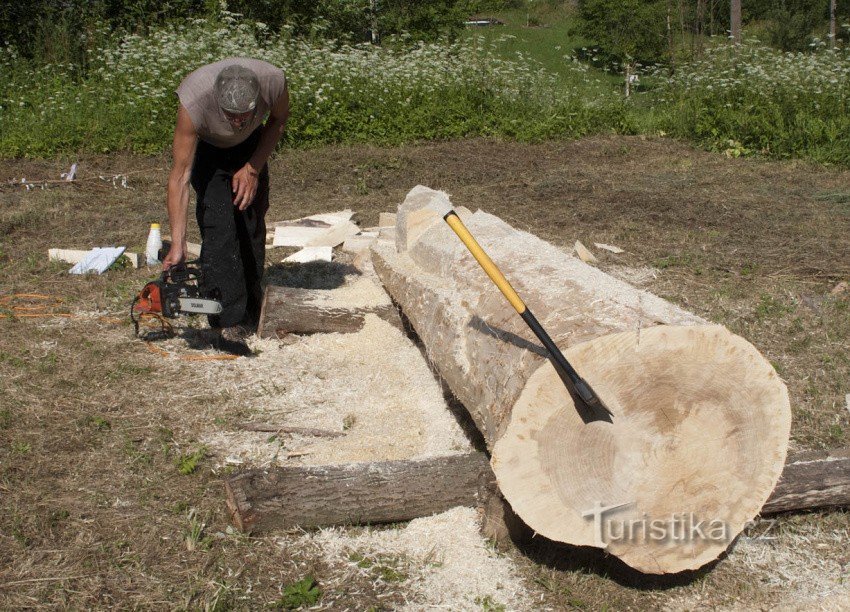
(340,93)
(759,100)
(753,100)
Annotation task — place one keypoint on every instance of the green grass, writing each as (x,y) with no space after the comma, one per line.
(548,41)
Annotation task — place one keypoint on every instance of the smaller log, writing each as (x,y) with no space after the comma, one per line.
(358,493)
(392,491)
(303,431)
(816,479)
(292,310)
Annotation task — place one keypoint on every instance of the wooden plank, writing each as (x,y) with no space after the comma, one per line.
(292,310)
(359,493)
(297,236)
(335,236)
(308,254)
(812,480)
(71,256)
(359,243)
(317,496)
(299,232)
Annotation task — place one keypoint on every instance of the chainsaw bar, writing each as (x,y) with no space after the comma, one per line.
(200,306)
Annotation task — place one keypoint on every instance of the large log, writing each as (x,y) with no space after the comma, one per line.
(700,420)
(357,493)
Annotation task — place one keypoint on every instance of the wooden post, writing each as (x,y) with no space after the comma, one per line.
(832,24)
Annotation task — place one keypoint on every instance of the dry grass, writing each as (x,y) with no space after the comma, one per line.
(92,425)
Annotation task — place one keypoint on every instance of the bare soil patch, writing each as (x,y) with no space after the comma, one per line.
(94,426)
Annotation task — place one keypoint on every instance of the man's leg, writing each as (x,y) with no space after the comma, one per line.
(221,255)
(251,229)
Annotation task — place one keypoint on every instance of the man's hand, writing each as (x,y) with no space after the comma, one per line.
(175,256)
(245,183)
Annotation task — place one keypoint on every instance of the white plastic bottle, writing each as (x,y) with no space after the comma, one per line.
(153,246)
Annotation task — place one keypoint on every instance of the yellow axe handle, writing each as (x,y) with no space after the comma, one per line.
(485,262)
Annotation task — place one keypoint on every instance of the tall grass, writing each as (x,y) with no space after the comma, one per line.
(124,99)
(121,97)
(759,100)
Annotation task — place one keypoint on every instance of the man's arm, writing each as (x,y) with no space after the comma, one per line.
(246,179)
(183,152)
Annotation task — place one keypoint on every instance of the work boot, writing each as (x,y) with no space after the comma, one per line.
(233,340)
(236,333)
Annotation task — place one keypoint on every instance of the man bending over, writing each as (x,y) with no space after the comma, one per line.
(231,115)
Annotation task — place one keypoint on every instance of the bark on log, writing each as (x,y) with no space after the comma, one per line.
(358,493)
(812,480)
(261,501)
(292,310)
(700,419)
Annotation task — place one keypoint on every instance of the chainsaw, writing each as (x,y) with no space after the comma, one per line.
(176,291)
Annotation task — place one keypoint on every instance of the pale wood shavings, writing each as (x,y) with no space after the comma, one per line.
(446,562)
(375,378)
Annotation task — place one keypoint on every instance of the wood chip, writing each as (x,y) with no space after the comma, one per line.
(584,254)
(608,247)
(840,288)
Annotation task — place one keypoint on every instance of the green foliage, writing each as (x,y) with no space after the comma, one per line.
(97,422)
(488,605)
(792,23)
(760,100)
(753,101)
(305,592)
(360,93)
(187,463)
(625,29)
(196,539)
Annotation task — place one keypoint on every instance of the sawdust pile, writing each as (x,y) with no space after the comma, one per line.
(374,385)
(442,560)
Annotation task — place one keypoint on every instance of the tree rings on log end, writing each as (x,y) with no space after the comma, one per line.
(697,442)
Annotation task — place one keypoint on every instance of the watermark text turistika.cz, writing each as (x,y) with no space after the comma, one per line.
(677,527)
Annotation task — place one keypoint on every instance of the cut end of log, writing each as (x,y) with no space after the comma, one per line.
(699,436)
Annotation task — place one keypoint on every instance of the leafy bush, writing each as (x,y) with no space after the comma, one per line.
(303,593)
(779,104)
(627,30)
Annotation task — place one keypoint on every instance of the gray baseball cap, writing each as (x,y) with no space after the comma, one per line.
(237,89)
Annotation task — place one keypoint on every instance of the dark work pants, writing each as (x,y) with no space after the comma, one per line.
(233,242)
